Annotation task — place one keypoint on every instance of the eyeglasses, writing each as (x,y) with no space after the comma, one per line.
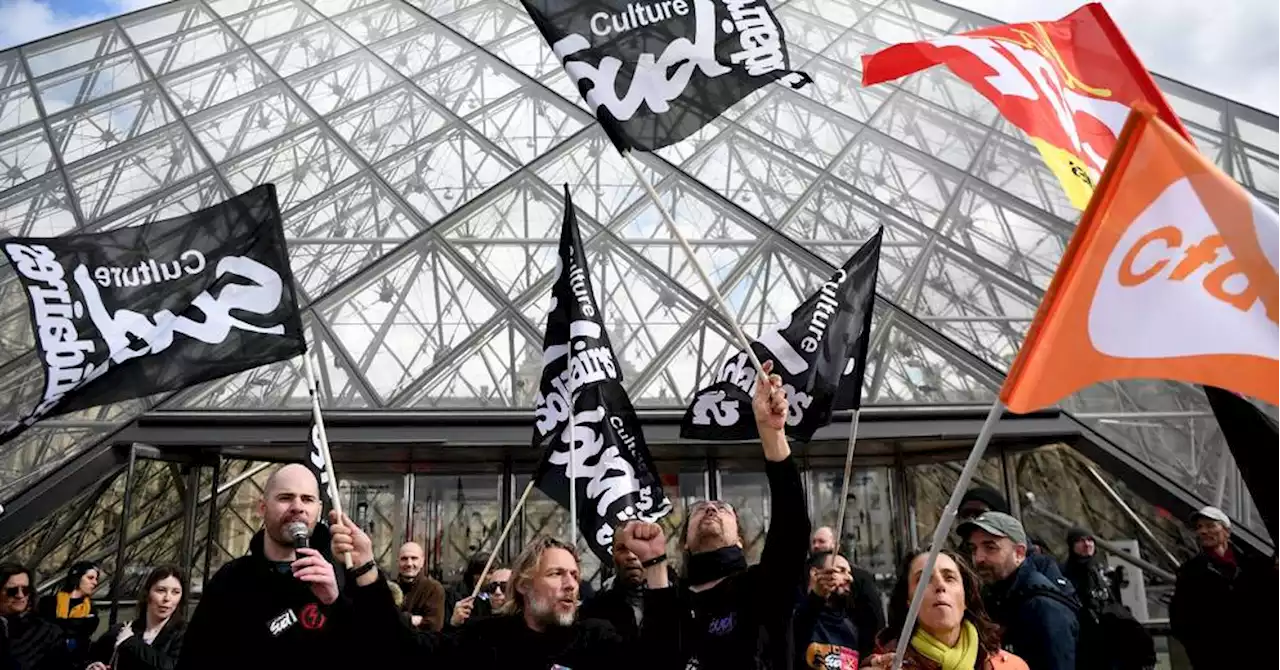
(494,587)
(721,506)
(16,591)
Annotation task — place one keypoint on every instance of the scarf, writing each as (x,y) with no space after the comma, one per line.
(709,566)
(64,610)
(963,656)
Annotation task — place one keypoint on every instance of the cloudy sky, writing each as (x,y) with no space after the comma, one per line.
(1229,47)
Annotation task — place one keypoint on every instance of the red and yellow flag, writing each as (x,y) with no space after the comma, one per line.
(1068,84)
(1171,274)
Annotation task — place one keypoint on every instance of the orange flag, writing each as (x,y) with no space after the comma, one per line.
(1068,84)
(1171,274)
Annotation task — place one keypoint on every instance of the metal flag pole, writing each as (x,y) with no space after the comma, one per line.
(314,390)
(515,512)
(848,472)
(688,250)
(944,527)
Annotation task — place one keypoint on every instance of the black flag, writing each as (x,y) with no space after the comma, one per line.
(655,72)
(158,307)
(1251,436)
(819,350)
(616,479)
(316,463)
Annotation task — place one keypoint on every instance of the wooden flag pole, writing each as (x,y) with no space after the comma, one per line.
(515,512)
(314,390)
(844,485)
(944,527)
(693,260)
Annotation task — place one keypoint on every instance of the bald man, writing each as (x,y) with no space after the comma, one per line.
(278,606)
(423,596)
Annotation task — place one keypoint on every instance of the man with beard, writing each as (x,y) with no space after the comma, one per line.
(279,605)
(423,596)
(1038,619)
(734,616)
(538,627)
(825,635)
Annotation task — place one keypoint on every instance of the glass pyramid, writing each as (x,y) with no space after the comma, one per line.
(419,147)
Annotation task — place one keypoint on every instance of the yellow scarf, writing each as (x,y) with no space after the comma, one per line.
(64,610)
(963,656)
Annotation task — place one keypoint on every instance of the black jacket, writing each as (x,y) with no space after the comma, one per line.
(866,610)
(28,642)
(255,614)
(500,641)
(1222,615)
(134,654)
(78,632)
(1039,621)
(745,620)
(617,605)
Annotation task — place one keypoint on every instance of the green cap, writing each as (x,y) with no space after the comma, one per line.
(996,523)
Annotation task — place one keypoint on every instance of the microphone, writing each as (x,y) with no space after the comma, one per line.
(300,534)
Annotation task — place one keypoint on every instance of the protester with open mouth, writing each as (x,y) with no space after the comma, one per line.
(152,641)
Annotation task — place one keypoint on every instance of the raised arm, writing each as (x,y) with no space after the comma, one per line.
(786,546)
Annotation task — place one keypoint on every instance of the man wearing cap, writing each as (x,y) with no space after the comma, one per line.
(1038,619)
(981,499)
(1223,608)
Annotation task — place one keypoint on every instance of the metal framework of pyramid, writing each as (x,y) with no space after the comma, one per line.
(419,146)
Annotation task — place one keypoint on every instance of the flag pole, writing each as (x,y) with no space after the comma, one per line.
(515,511)
(573,472)
(688,250)
(944,527)
(848,472)
(314,390)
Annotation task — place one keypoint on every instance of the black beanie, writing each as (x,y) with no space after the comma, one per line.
(988,496)
(1076,534)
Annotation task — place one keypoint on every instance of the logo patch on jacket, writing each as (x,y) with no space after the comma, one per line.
(819,656)
(312,618)
(722,626)
(281,623)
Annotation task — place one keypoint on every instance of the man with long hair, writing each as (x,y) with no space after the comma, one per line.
(537,627)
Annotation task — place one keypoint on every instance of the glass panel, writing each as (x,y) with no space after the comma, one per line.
(101,127)
(301,165)
(836,87)
(527,125)
(420,50)
(278,19)
(485,22)
(134,171)
(468,84)
(17,107)
(216,83)
(376,504)
(24,156)
(891,28)
(759,178)
(376,23)
(806,30)
(390,122)
(335,7)
(41,209)
(438,177)
(870,532)
(998,229)
(250,121)
(748,492)
(837,12)
(951,138)
(89,82)
(305,49)
(342,83)
(930,486)
(165,21)
(455,517)
(75,48)
(914,186)
(1256,128)
(803,128)
(187,49)
(1016,167)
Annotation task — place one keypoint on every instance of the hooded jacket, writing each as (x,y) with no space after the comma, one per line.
(1219,610)
(1039,621)
(255,614)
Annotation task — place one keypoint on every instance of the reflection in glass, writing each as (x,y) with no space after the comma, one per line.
(868,540)
(455,517)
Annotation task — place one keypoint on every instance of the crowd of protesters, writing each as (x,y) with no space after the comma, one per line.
(998,604)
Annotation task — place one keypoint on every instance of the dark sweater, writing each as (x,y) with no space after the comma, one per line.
(747,616)
(1039,620)
(254,614)
(424,597)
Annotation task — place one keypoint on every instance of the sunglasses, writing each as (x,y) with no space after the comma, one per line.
(494,587)
(16,591)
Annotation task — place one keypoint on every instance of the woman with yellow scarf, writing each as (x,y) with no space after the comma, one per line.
(953,631)
(71,607)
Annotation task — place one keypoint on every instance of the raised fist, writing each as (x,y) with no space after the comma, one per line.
(770,401)
(645,540)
